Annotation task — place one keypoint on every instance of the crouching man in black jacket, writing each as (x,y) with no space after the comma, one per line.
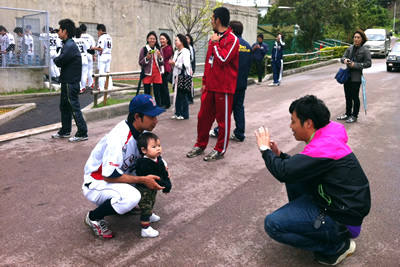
(70,63)
(328,192)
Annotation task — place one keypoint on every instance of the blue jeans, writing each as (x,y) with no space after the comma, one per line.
(293,224)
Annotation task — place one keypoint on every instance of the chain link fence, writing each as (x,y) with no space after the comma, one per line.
(24,39)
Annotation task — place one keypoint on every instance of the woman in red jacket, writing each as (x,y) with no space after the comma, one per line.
(166,49)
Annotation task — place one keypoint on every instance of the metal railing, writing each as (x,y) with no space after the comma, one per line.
(306,57)
(96,77)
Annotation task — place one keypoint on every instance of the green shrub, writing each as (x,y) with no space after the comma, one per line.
(338,51)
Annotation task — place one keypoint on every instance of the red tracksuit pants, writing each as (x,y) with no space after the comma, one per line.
(214,106)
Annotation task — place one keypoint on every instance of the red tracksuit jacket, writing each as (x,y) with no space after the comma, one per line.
(221,75)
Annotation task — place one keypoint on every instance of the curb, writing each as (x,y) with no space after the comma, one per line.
(21,109)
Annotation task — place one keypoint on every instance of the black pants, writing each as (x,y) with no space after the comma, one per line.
(351,92)
(156,91)
(260,69)
(164,93)
(70,107)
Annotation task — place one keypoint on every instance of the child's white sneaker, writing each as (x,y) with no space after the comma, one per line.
(149,232)
(154,218)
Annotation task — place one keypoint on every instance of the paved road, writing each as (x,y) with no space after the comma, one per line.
(214,215)
(47,112)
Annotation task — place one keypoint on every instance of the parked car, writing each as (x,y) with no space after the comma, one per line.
(378,42)
(393,59)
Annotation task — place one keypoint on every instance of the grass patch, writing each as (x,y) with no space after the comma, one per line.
(29,91)
(112,101)
(5,110)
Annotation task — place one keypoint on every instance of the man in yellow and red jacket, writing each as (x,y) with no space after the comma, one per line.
(219,84)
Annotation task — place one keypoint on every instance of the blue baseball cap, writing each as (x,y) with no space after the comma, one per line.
(145,104)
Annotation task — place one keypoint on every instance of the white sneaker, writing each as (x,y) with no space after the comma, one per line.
(58,136)
(273,84)
(149,232)
(78,138)
(173,117)
(154,218)
(180,118)
(212,133)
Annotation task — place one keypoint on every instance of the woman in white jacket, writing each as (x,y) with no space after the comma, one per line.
(180,62)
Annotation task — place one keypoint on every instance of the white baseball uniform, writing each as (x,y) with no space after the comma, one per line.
(114,155)
(52,44)
(83,46)
(104,62)
(29,48)
(91,42)
(5,41)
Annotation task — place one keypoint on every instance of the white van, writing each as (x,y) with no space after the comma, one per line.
(378,42)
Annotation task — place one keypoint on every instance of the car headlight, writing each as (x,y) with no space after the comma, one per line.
(392,57)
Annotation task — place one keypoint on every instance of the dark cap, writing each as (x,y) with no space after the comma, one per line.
(145,104)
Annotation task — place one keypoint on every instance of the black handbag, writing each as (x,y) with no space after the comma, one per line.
(184,81)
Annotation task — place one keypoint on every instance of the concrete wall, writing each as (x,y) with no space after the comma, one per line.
(127,21)
(19,79)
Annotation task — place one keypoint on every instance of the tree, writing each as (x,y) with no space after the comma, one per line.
(314,17)
(186,18)
(370,14)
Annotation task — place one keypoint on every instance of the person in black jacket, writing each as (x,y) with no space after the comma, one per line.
(149,146)
(70,62)
(357,57)
(328,191)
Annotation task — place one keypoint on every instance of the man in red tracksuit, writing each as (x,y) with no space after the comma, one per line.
(219,83)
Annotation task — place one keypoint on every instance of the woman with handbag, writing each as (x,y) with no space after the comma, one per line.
(357,57)
(152,62)
(181,78)
(166,48)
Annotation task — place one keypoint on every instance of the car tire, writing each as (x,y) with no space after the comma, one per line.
(388,68)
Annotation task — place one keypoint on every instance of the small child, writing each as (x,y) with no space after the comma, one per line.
(149,146)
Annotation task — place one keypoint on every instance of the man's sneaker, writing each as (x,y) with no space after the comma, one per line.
(174,117)
(214,155)
(154,218)
(351,119)
(213,133)
(234,138)
(60,135)
(82,90)
(258,83)
(149,232)
(273,84)
(347,250)
(100,228)
(180,118)
(78,138)
(343,117)
(194,152)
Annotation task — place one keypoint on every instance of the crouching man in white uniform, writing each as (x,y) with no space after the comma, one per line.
(110,170)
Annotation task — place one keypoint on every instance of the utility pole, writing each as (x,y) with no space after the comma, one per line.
(394,16)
